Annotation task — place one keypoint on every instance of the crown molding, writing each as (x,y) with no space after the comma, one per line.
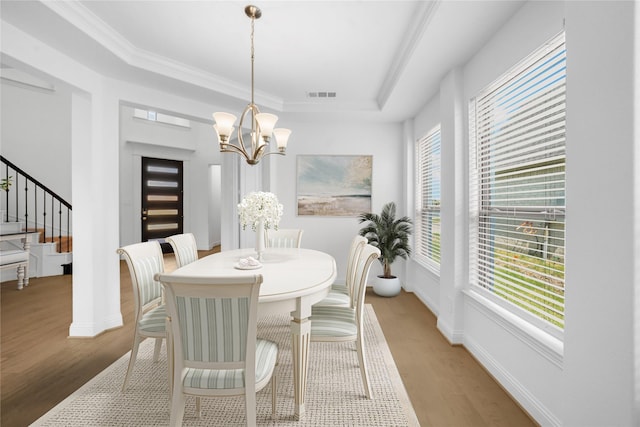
(426,11)
(91,25)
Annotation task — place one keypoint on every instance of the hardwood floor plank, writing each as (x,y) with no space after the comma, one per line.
(446,384)
(41,366)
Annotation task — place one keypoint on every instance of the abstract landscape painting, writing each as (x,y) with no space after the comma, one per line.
(334,185)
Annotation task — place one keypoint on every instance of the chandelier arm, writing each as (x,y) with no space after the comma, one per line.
(280,153)
(251,109)
(241,147)
(259,152)
(231,148)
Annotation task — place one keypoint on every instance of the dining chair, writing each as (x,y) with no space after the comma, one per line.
(284,238)
(212,323)
(144,261)
(184,247)
(344,324)
(341,294)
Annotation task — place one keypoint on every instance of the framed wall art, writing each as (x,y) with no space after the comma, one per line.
(330,185)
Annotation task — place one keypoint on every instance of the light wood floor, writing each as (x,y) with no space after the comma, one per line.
(40,365)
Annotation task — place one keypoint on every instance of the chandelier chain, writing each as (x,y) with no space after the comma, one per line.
(253,20)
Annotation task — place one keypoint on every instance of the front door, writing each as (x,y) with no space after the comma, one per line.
(162,213)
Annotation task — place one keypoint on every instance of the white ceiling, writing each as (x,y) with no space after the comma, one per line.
(383,59)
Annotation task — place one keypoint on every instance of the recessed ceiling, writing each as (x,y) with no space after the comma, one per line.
(382,59)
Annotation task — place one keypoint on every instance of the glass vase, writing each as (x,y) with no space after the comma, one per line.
(260,245)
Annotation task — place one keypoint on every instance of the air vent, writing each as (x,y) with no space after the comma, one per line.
(321,95)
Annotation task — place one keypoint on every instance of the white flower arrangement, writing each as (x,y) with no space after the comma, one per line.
(260,205)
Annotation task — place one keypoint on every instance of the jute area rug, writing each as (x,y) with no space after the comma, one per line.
(335,394)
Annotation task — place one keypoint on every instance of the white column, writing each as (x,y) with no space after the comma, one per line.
(453,218)
(96,272)
(602,179)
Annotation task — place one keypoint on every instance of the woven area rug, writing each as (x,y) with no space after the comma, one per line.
(334,394)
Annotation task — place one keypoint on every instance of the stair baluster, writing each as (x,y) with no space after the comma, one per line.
(21,209)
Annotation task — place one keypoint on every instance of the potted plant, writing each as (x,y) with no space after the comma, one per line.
(391,236)
(5,183)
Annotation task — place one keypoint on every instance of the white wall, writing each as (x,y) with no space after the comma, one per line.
(333,234)
(586,379)
(26,145)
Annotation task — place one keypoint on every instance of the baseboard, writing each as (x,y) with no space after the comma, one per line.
(518,392)
(454,337)
(428,302)
(93,329)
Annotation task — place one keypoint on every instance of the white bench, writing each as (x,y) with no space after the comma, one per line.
(16,259)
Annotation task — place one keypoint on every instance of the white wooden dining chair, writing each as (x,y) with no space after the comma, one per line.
(184,248)
(344,324)
(341,293)
(145,260)
(284,238)
(214,349)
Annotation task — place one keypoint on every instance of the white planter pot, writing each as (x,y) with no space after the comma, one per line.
(386,287)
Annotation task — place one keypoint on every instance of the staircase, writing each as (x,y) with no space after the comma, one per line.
(29,206)
(63,243)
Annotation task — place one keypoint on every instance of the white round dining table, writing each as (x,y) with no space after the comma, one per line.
(293,280)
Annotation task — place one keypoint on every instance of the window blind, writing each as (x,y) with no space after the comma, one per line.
(427,221)
(517,186)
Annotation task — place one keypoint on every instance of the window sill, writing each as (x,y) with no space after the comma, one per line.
(428,265)
(542,342)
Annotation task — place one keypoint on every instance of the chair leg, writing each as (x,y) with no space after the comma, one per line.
(177,407)
(156,350)
(274,388)
(198,408)
(250,406)
(363,366)
(132,360)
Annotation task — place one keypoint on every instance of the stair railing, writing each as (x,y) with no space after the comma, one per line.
(28,200)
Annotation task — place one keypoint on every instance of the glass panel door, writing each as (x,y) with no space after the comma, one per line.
(162,195)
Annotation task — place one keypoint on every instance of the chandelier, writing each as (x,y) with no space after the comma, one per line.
(262,124)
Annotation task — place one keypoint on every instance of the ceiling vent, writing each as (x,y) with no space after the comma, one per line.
(322,95)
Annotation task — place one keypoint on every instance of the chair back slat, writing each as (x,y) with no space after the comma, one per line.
(184,247)
(284,238)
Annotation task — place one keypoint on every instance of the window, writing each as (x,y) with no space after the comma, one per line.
(427,222)
(517,187)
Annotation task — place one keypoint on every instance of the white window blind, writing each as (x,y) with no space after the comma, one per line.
(517,188)
(427,222)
